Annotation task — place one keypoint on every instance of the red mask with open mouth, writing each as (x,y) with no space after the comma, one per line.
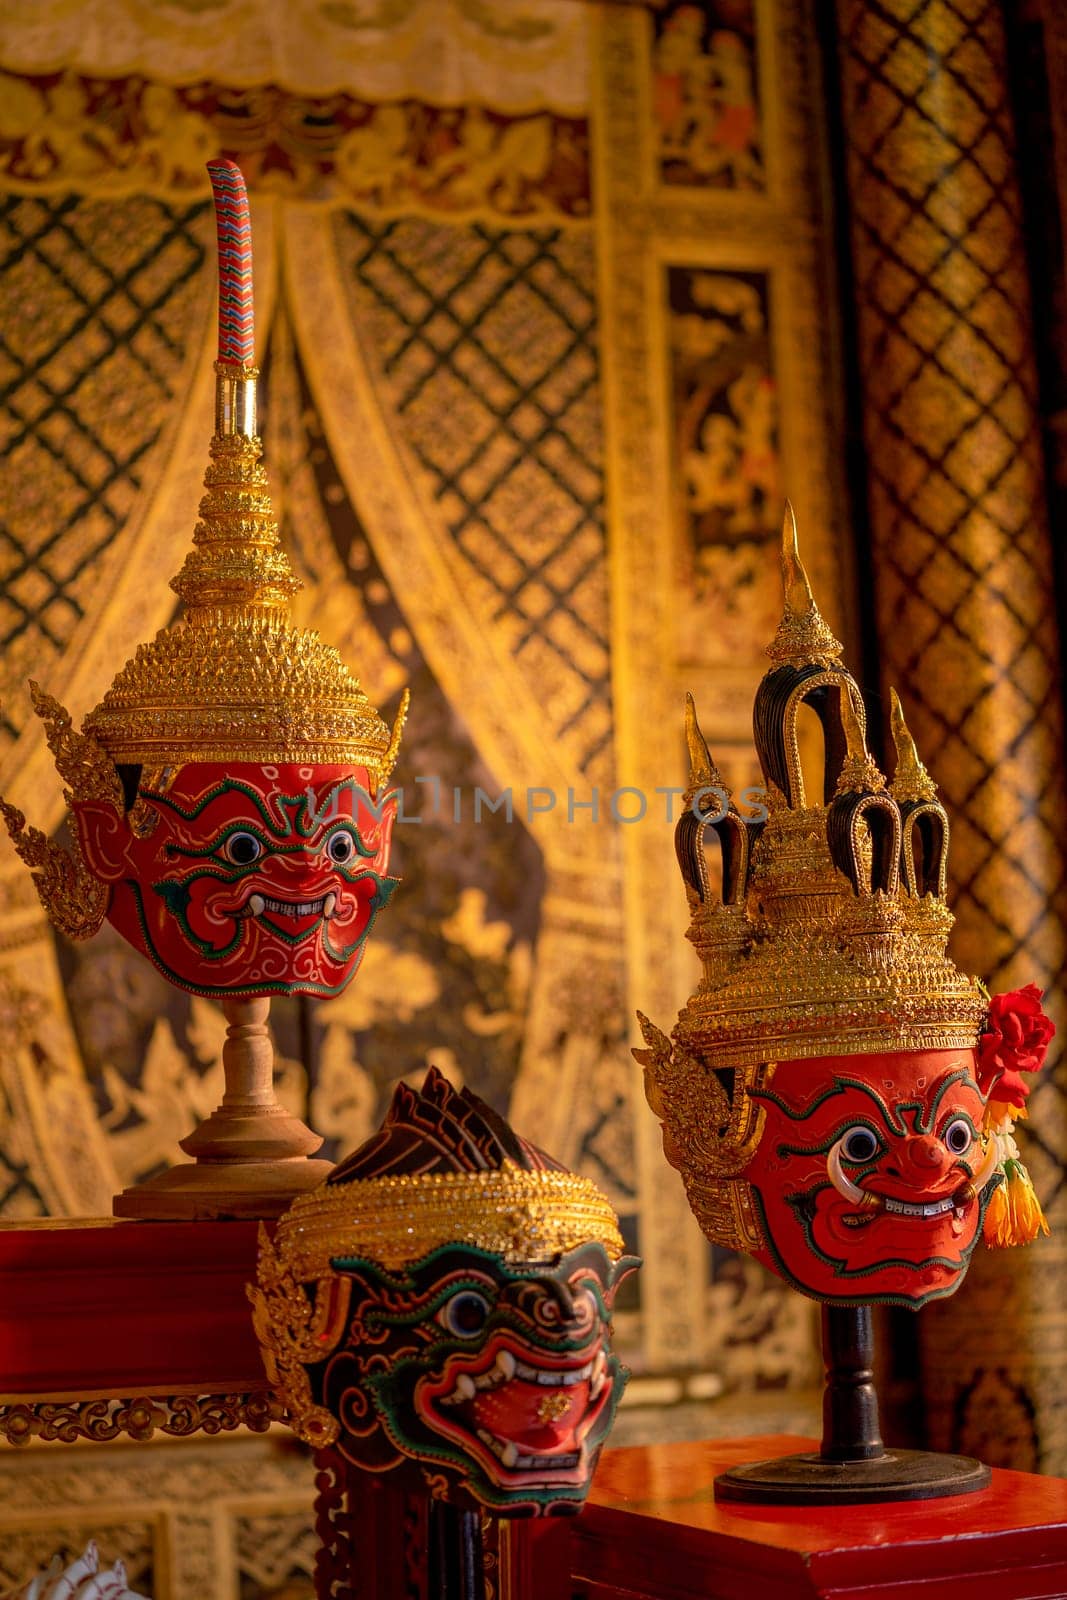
(507,1389)
(441,1310)
(871,1178)
(242,879)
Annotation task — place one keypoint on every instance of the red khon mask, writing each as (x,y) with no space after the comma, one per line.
(246,879)
(830,1091)
(871,1174)
(228,794)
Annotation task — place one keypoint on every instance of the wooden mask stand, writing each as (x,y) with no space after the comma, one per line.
(853,1466)
(251,1156)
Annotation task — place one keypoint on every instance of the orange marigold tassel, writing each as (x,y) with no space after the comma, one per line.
(1014,1214)
(1001,1116)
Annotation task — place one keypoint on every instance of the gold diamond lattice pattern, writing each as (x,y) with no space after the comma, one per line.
(486,342)
(95,305)
(958,518)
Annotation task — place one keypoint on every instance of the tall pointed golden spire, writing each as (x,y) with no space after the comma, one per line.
(234,680)
(802,635)
(859,770)
(703,773)
(911,781)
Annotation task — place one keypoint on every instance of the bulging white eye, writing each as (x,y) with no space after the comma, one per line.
(958,1136)
(341,847)
(859,1144)
(242,849)
(465,1315)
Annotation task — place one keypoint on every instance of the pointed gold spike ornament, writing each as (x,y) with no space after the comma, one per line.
(703,773)
(859,771)
(911,781)
(802,633)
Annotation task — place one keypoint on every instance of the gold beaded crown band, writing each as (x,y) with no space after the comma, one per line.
(443,1169)
(234,679)
(829,935)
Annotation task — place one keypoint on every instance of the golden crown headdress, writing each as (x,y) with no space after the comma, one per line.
(234,679)
(444,1169)
(829,935)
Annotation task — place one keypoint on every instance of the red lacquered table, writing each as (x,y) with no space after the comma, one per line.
(129,1327)
(651,1530)
(111,1328)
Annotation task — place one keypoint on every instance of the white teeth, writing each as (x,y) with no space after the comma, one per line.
(561,1380)
(506,1368)
(507,1453)
(258,903)
(904,1208)
(328,904)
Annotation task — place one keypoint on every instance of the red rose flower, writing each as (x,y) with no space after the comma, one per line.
(1016,1037)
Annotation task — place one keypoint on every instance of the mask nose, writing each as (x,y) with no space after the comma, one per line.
(561,1294)
(300,860)
(927,1155)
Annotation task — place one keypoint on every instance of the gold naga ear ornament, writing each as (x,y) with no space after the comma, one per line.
(74,899)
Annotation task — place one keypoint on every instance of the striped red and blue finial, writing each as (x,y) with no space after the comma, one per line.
(237,343)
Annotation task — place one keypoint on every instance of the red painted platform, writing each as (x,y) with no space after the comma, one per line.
(121,1308)
(651,1530)
(141,1308)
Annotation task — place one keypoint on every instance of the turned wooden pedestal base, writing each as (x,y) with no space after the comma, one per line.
(853,1466)
(251,1155)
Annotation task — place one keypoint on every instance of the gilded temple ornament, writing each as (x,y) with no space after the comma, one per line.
(227,797)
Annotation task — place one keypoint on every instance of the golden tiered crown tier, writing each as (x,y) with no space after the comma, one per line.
(828,936)
(522,1216)
(234,680)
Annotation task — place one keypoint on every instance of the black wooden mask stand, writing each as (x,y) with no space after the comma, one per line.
(852,1466)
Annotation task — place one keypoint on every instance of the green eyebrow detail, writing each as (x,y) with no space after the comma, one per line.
(827,1145)
(271,846)
(961,1075)
(838,1086)
(769,1097)
(297,814)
